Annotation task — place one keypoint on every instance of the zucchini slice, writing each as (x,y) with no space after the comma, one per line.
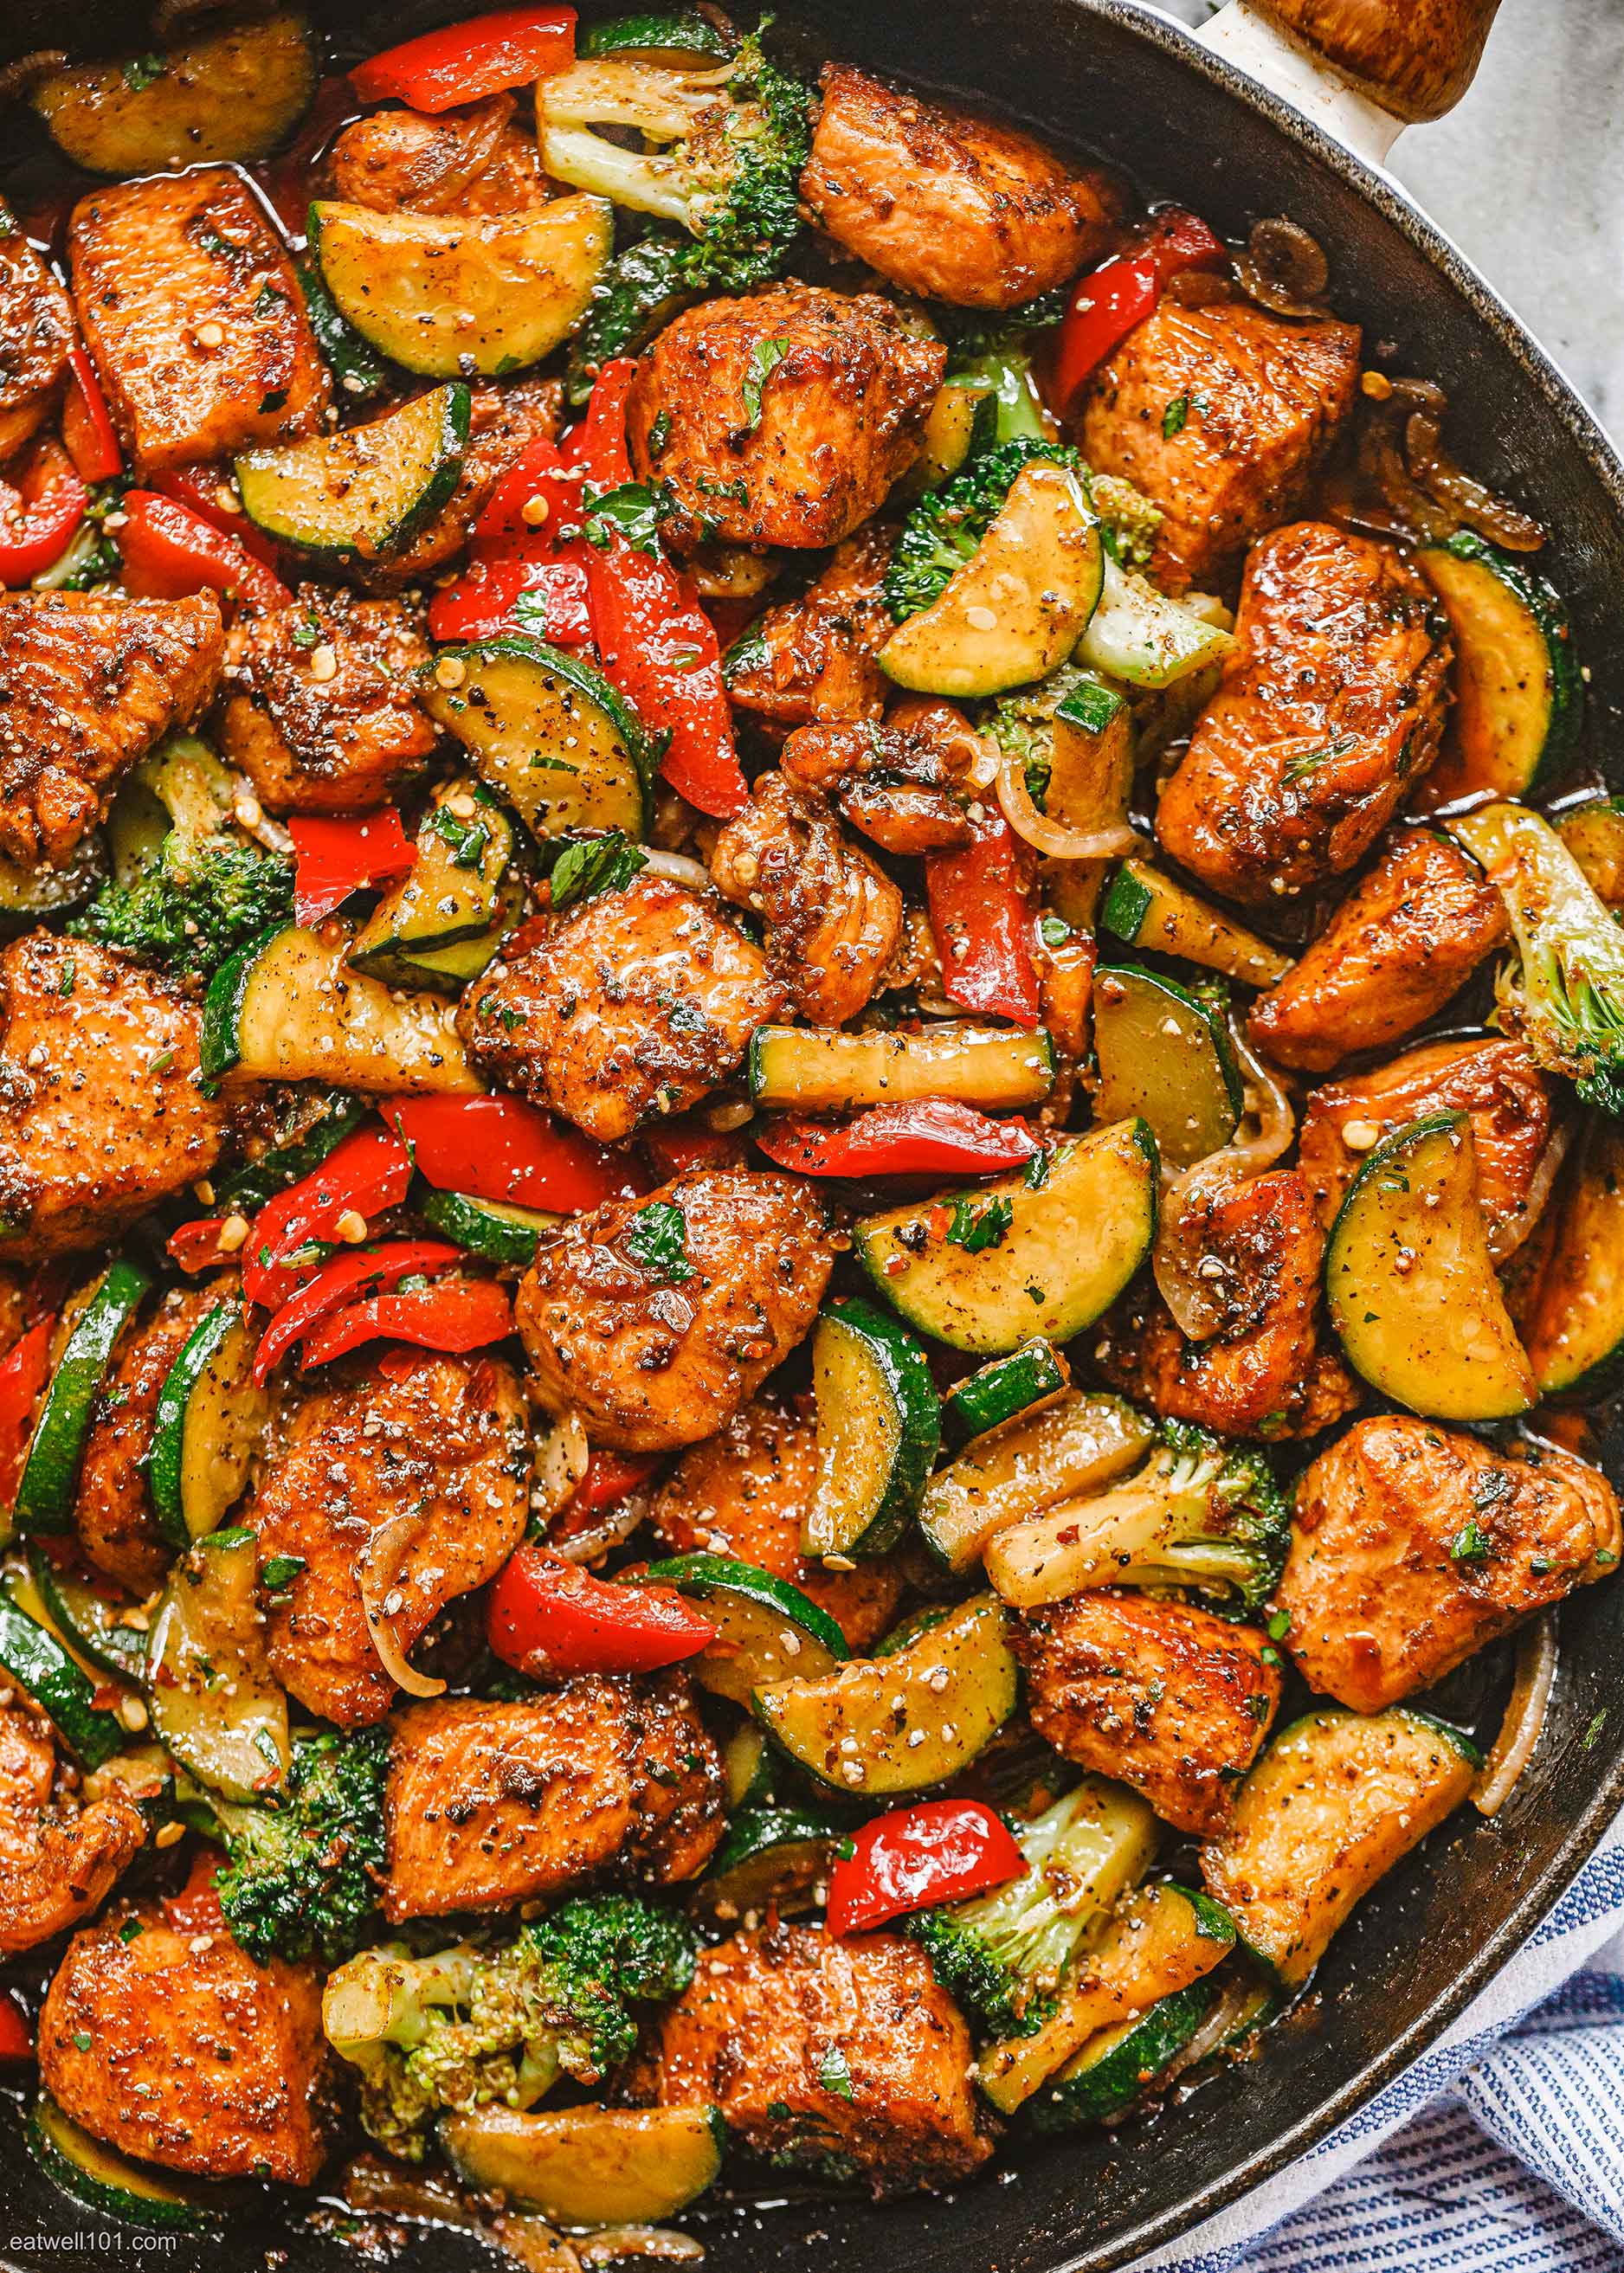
(313,1125)
(767,1629)
(986,1269)
(448,970)
(1518,693)
(1144,908)
(879,1426)
(98,2178)
(364,491)
(1015,610)
(904,1721)
(1162,1939)
(548,732)
(1165,1056)
(1594,833)
(1030,1377)
(815,1072)
(656,38)
(35,1658)
(770,1854)
(449,295)
(215,1707)
(495,1229)
(588,2166)
(27,894)
(747,1767)
(1336,1800)
(1122,2064)
(1575,1335)
(1071,1447)
(450,893)
(361,374)
(1139,635)
(1411,1282)
(206,1429)
(89,1620)
(49,1483)
(234,93)
(289,1007)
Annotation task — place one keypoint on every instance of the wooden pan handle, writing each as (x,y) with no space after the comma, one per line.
(1415,58)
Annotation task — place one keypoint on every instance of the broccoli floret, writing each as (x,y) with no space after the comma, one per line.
(468,2025)
(1564,992)
(1005,1955)
(994,354)
(299,1880)
(206,896)
(1128,519)
(942,532)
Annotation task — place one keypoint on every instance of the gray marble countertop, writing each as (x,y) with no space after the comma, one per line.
(1527,175)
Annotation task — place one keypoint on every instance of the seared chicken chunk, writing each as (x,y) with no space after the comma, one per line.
(842,411)
(191,309)
(1406,937)
(1514,1132)
(811,659)
(832,918)
(36,331)
(902,783)
(502,423)
(100,1112)
(59,1860)
(947,203)
(113,1514)
(634,1004)
(1162,1695)
(1330,707)
(1413,1546)
(88,683)
(655,1319)
(1262,401)
(491,1803)
(815,2048)
(174,2046)
(1265,1372)
(334,743)
(744,1492)
(438,1450)
(473,162)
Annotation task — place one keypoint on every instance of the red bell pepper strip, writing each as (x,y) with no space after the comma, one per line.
(198,489)
(171,551)
(514,47)
(39,513)
(196,1907)
(941,1850)
(16,2043)
(609,1477)
(367,1174)
(1120,292)
(334,858)
(196,1246)
(660,649)
(499,1148)
(375,1270)
(982,922)
(547,1616)
(23,1372)
(927,1137)
(463,1314)
(87,428)
(510,555)
(596,443)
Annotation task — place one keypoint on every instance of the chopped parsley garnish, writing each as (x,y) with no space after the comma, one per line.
(656,1239)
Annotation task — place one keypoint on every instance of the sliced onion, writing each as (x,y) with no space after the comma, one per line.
(560,1464)
(1225,2016)
(1525,1714)
(377,1568)
(1047,835)
(17,77)
(1507,1237)
(1192,1295)
(1283,268)
(612,2241)
(678,868)
(534,2244)
(384,2189)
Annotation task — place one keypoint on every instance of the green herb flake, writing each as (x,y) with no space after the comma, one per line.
(141,71)
(307,632)
(1309,761)
(468,840)
(1053,931)
(1176,417)
(132,1930)
(1592,1735)
(659,434)
(656,1239)
(282,1570)
(833,2075)
(81,2040)
(1037,1172)
(976,1229)
(634,512)
(765,356)
(1278,1625)
(1471,1544)
(594,865)
(70,970)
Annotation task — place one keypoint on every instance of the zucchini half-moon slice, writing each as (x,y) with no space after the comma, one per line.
(588,2165)
(364,492)
(879,1425)
(230,93)
(1165,1055)
(1518,693)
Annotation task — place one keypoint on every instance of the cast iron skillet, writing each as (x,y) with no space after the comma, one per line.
(1109,77)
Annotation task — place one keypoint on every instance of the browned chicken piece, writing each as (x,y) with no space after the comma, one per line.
(1413,1546)
(1265,1372)
(1162,1695)
(1330,707)
(320,711)
(190,307)
(1515,1134)
(113,1515)
(744,1492)
(902,783)
(1263,399)
(833,918)
(36,331)
(473,162)
(503,421)
(842,414)
(810,660)
(100,1112)
(58,1861)
(813,2048)
(174,2046)
(634,1004)
(1407,936)
(489,1804)
(441,1450)
(655,1319)
(88,683)
(946,202)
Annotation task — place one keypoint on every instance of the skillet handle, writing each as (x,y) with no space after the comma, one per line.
(1413,58)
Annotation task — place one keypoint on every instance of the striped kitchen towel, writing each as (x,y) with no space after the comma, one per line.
(1502,2149)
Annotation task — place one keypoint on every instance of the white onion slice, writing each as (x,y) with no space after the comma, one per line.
(1047,835)
(612,2241)
(1507,1237)
(677,868)
(1524,1717)
(377,1568)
